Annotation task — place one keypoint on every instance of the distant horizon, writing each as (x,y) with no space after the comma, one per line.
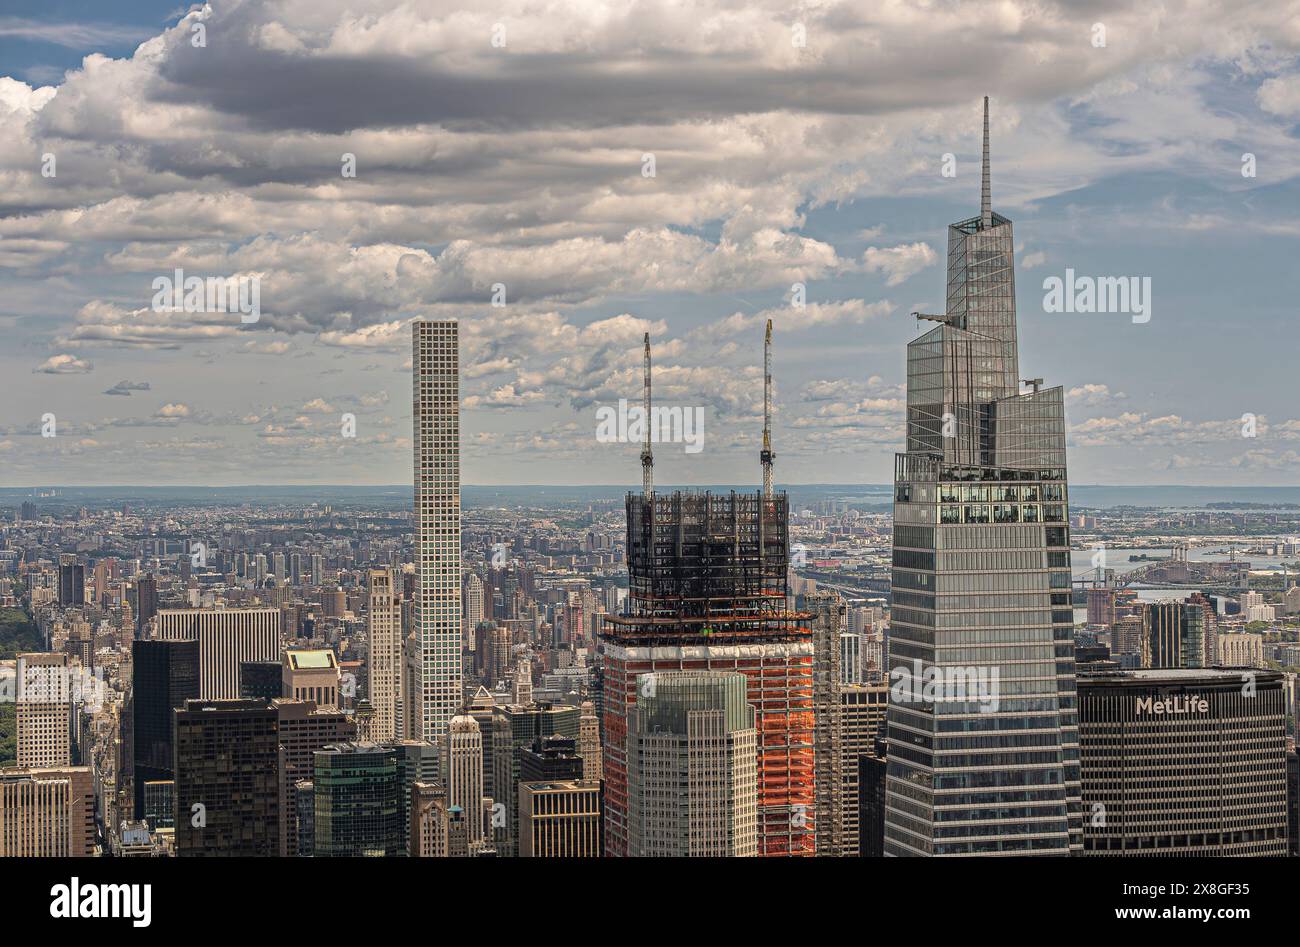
(874,496)
(629,484)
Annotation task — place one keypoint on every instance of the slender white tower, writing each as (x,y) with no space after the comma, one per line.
(436,416)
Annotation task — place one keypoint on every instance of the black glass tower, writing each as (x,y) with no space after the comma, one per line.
(227,792)
(146,603)
(982,721)
(261,680)
(164,674)
(72,581)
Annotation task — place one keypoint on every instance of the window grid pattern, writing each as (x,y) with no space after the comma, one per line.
(981,584)
(436,420)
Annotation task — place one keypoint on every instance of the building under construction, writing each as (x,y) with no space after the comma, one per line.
(708,591)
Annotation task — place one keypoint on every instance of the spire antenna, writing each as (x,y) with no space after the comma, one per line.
(647,456)
(986,201)
(765,455)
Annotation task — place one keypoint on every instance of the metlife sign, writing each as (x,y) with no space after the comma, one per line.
(1163,706)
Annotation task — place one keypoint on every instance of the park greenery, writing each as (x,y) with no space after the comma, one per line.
(8,734)
(18,633)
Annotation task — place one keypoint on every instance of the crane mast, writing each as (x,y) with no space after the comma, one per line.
(765,455)
(647,457)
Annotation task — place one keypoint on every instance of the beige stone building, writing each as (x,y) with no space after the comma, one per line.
(47,812)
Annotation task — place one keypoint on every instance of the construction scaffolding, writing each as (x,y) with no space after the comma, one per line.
(708,591)
(707,565)
(828,731)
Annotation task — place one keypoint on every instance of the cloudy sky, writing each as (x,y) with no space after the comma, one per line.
(510,142)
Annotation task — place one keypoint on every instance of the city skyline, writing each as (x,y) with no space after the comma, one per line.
(953,538)
(657,210)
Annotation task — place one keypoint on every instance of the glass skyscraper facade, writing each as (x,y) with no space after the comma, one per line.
(357,801)
(982,720)
(164,675)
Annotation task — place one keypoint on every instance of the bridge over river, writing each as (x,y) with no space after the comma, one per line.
(1175,572)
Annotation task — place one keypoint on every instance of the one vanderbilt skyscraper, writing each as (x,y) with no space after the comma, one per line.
(983,720)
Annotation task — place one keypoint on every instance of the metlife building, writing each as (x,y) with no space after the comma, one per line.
(1183,762)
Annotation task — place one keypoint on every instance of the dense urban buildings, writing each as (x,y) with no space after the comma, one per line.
(515,728)
(537,699)
(303,728)
(227,637)
(862,720)
(949,664)
(983,729)
(544,666)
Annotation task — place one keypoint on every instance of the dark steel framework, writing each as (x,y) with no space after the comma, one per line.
(707,565)
(708,584)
